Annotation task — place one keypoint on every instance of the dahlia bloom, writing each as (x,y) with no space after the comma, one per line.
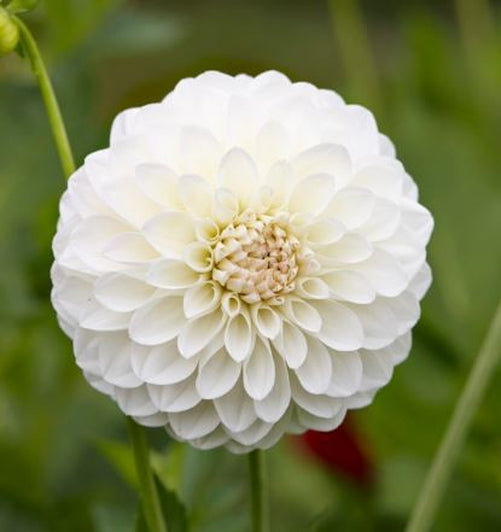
(245,259)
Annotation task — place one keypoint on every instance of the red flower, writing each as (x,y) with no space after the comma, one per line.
(342,452)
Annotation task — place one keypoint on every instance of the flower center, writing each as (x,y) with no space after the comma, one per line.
(255,257)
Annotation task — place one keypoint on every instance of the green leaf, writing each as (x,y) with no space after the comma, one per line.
(120,456)
(21,6)
(172,508)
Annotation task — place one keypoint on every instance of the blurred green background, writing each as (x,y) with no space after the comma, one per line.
(432,73)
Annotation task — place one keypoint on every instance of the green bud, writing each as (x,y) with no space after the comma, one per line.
(9,33)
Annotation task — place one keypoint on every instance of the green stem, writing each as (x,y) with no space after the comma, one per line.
(476,25)
(52,107)
(147,488)
(259,506)
(355,51)
(435,483)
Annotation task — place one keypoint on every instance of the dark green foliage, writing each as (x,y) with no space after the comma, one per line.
(172,508)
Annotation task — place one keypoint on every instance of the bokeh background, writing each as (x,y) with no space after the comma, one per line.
(431,71)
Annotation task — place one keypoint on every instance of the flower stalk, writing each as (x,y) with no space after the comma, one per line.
(259,506)
(49,98)
(435,483)
(148,492)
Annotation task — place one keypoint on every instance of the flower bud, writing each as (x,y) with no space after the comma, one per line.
(9,33)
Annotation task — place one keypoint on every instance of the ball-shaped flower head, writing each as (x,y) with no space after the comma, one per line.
(245,259)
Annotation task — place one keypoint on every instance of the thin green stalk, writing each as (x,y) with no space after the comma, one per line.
(147,488)
(259,502)
(355,50)
(52,107)
(476,25)
(478,32)
(435,483)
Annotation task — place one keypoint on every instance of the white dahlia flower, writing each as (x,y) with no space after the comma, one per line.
(245,259)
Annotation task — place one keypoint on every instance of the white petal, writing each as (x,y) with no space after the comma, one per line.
(349,286)
(406,308)
(266,320)
(378,369)
(331,159)
(171,274)
(386,146)
(115,360)
(135,401)
(253,434)
(99,384)
(277,431)
(272,143)
(383,179)
(122,125)
(351,206)
(303,314)
(350,249)
(158,322)
(198,256)
(69,294)
(399,349)
(360,400)
(200,152)
(155,420)
(347,372)
(243,116)
(383,221)
(274,405)
(291,344)
(238,173)
(379,323)
(217,375)
(384,273)
(170,232)
(121,293)
(225,205)
(324,231)
(417,219)
(196,422)
(312,288)
(159,183)
(280,179)
(201,299)
(199,332)
(177,397)
(207,230)
(239,337)
(312,422)
(231,304)
(98,318)
(196,194)
(420,283)
(341,328)
(130,248)
(312,194)
(216,438)
(259,371)
(236,409)
(86,348)
(126,198)
(161,364)
(315,372)
(88,241)
(318,405)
